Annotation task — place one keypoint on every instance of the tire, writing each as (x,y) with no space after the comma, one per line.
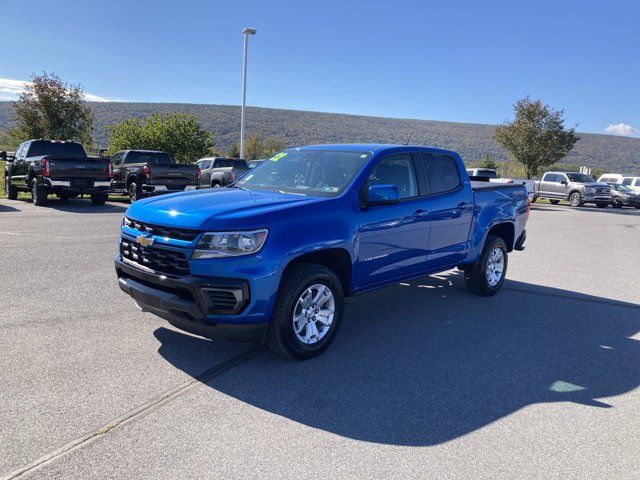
(10,190)
(554,202)
(39,193)
(534,199)
(298,281)
(576,199)
(602,205)
(616,203)
(134,192)
(99,199)
(477,276)
(215,185)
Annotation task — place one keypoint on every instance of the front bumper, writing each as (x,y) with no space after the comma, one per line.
(181,301)
(593,198)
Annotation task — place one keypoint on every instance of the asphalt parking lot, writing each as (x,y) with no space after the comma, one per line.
(424,380)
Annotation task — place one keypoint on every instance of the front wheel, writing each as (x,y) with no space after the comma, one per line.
(490,270)
(10,190)
(616,203)
(39,193)
(575,199)
(307,313)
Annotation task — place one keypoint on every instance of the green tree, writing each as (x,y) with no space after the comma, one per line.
(49,108)
(177,134)
(536,137)
(253,147)
(234,151)
(272,145)
(486,162)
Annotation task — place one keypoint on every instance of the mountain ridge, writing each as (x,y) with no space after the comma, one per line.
(297,127)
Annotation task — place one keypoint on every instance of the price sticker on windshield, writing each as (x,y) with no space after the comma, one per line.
(277,157)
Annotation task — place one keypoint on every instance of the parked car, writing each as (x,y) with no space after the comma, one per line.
(578,188)
(630,181)
(142,173)
(219,171)
(272,257)
(482,172)
(46,167)
(623,196)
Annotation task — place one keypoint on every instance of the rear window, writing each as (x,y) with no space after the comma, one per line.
(152,158)
(46,147)
(487,173)
(230,162)
(627,181)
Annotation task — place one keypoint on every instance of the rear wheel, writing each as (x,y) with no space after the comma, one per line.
(554,202)
(134,192)
(10,190)
(575,199)
(99,198)
(307,313)
(39,193)
(487,275)
(215,185)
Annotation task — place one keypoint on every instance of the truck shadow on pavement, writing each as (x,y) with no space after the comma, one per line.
(425,362)
(78,205)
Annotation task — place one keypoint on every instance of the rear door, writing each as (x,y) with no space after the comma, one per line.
(450,210)
(205,172)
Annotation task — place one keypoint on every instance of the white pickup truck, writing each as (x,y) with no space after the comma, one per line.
(490,175)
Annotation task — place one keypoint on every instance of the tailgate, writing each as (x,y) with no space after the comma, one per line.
(79,170)
(173,175)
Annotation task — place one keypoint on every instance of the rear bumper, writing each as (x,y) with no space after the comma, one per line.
(150,190)
(182,303)
(69,186)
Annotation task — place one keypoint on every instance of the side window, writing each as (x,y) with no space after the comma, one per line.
(18,153)
(548,177)
(206,165)
(115,160)
(396,170)
(627,181)
(25,149)
(442,173)
(561,177)
(637,183)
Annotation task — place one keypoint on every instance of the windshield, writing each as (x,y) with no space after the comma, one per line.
(621,188)
(315,172)
(45,147)
(580,177)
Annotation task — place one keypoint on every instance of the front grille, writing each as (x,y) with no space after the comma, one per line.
(168,232)
(603,191)
(159,260)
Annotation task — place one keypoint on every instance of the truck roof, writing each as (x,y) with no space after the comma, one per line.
(373,147)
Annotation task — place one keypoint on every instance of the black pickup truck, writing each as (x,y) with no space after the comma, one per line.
(140,173)
(46,167)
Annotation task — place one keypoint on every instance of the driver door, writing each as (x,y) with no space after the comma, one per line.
(393,239)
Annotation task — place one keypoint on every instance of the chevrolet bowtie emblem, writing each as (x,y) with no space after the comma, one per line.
(144,240)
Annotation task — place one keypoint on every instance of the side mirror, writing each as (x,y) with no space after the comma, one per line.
(564,182)
(382,195)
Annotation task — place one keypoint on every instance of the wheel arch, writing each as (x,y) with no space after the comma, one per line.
(336,259)
(504,230)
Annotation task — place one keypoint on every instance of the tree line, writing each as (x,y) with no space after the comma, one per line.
(535,139)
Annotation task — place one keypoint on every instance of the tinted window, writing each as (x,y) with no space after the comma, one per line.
(442,173)
(580,177)
(204,164)
(46,147)
(230,162)
(551,177)
(152,158)
(627,181)
(487,173)
(19,151)
(396,170)
(637,184)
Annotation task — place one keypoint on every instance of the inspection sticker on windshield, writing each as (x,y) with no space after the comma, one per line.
(277,157)
(329,189)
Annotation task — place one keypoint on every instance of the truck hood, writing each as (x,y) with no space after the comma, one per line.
(594,184)
(214,208)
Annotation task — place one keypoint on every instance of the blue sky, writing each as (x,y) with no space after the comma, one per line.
(453,61)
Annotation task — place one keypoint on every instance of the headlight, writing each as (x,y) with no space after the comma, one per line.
(229,244)
(588,190)
(126,221)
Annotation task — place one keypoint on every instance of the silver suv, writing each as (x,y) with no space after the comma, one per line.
(578,188)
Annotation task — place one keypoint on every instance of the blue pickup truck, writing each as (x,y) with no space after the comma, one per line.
(272,257)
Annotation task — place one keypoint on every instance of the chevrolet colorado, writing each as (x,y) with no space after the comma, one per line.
(46,167)
(272,257)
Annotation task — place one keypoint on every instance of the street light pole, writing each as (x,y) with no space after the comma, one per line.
(246,32)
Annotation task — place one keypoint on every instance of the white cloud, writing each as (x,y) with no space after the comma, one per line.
(621,129)
(9,90)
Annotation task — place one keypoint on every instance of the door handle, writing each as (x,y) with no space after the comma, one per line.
(419,213)
(462,206)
